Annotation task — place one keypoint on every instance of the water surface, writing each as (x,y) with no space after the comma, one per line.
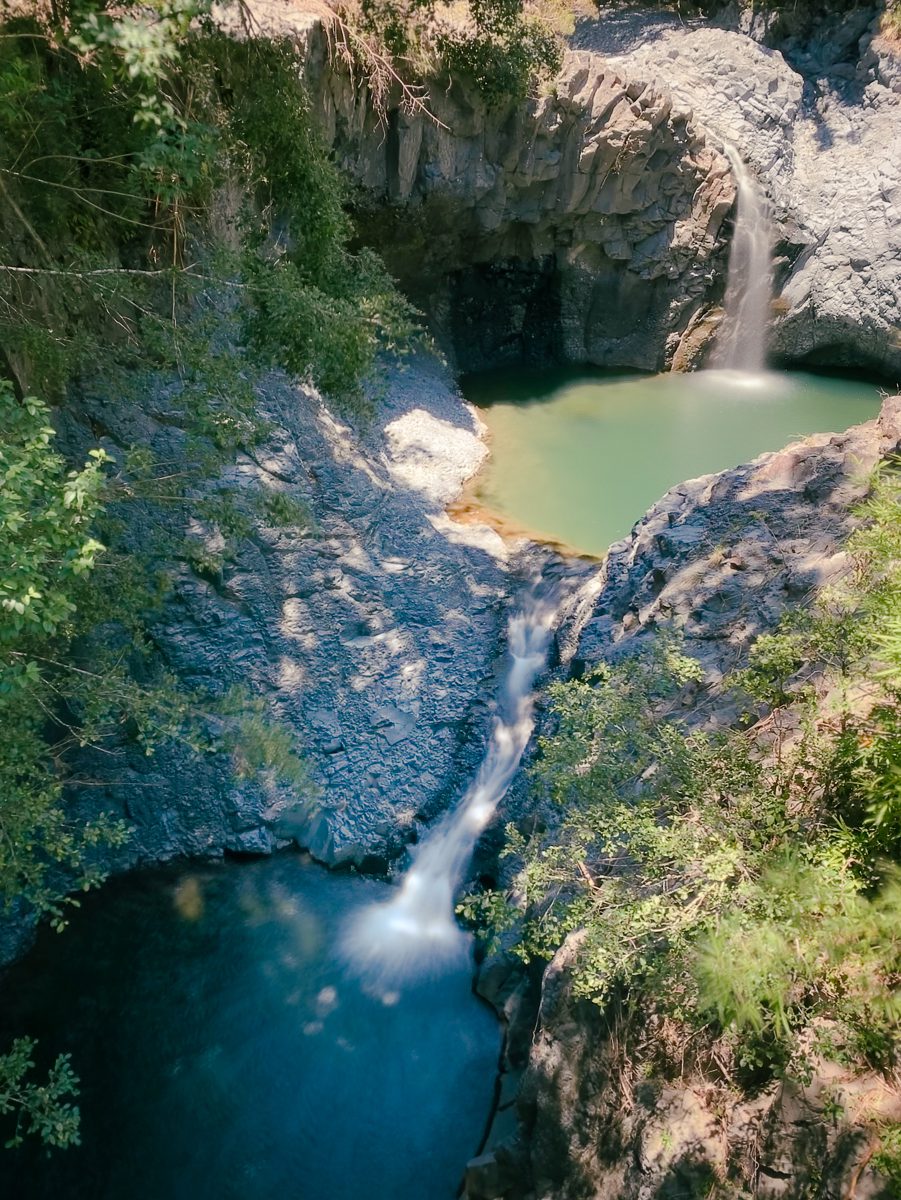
(579,455)
(225,1054)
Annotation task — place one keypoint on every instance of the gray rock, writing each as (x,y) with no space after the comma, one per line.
(373,635)
(823,133)
(719,558)
(584,224)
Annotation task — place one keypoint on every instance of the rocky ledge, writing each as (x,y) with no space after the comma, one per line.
(819,121)
(582,225)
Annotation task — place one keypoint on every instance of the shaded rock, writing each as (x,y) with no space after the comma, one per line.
(372,633)
(583,225)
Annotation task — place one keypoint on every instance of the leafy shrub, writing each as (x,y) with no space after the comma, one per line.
(42,1109)
(503,46)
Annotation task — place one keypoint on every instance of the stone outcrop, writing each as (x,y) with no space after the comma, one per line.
(719,558)
(373,633)
(819,121)
(599,1124)
(584,226)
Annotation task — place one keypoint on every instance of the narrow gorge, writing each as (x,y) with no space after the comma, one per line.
(483,786)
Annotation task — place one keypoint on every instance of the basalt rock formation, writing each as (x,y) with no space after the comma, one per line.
(583,226)
(819,121)
(587,225)
(372,632)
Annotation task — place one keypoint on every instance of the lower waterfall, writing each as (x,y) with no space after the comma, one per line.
(415,933)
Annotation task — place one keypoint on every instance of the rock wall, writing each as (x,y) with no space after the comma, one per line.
(587,225)
(582,226)
(719,558)
(598,1124)
(374,633)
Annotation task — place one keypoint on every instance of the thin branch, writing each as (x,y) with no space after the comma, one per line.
(379,64)
(68,186)
(25,222)
(72,273)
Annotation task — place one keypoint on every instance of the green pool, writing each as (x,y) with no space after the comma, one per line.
(578,455)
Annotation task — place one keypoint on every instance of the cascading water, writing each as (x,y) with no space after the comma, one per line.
(415,933)
(741,345)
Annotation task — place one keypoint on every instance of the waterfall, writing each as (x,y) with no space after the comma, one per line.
(415,931)
(741,345)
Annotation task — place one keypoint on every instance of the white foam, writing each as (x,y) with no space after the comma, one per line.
(414,933)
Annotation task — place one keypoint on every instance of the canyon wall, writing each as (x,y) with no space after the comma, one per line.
(819,121)
(585,225)
(372,631)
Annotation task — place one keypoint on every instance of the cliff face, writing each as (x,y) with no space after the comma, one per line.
(719,559)
(598,1125)
(583,226)
(819,121)
(587,225)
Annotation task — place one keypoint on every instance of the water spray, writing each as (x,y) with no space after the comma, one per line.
(741,346)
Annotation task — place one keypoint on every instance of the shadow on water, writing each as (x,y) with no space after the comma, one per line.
(224,1052)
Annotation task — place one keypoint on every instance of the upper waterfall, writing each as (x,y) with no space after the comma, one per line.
(741,344)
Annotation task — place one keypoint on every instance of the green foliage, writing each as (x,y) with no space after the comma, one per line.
(46,552)
(505,52)
(744,883)
(46,515)
(503,46)
(117,135)
(887,1159)
(41,1109)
